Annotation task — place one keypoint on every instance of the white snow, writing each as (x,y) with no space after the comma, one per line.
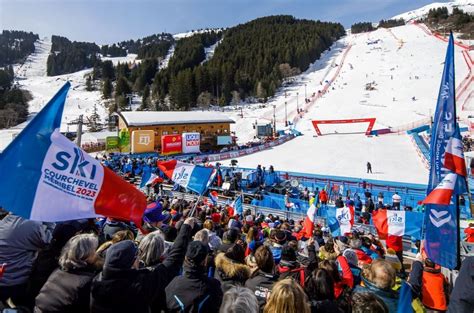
(392,64)
(32,76)
(129,58)
(405,62)
(210,51)
(144,118)
(465,5)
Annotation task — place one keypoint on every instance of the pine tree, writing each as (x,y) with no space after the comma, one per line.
(11,72)
(122,103)
(89,86)
(145,98)
(122,87)
(94,123)
(107,89)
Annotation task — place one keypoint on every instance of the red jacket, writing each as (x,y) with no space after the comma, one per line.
(362,256)
(395,242)
(469,234)
(347,277)
(323,196)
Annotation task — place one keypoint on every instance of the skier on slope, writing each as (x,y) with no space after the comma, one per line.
(369,168)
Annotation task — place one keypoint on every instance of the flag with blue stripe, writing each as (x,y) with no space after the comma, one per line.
(441,221)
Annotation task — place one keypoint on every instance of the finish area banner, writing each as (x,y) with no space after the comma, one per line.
(171,144)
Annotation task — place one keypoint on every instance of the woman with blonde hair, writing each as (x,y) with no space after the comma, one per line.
(287,296)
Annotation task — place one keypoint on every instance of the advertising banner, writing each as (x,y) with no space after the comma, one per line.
(171,144)
(191,142)
(124,140)
(111,142)
(143,141)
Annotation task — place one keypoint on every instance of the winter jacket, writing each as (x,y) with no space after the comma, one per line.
(356,273)
(20,240)
(462,297)
(323,196)
(66,291)
(131,290)
(339,203)
(193,292)
(295,270)
(388,296)
(362,256)
(261,284)
(347,277)
(230,273)
(469,231)
(324,306)
(433,289)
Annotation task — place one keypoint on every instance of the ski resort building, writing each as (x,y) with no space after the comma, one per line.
(210,125)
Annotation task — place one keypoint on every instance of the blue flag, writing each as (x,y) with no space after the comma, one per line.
(441,220)
(34,140)
(405,299)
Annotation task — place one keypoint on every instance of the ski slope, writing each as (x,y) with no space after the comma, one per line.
(404,63)
(32,76)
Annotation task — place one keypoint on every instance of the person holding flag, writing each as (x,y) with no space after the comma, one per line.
(447,174)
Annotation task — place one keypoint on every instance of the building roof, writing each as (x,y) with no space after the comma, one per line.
(152,118)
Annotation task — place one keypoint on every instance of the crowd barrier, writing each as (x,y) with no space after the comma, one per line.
(239,153)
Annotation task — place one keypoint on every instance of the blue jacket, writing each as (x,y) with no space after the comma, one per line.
(389,297)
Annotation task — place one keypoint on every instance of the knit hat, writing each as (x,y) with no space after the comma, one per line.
(236,253)
(197,252)
(351,257)
(288,253)
(216,217)
(121,255)
(153,213)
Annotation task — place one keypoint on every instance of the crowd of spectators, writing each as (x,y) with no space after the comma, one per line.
(217,261)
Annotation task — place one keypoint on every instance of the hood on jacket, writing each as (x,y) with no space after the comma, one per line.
(231,269)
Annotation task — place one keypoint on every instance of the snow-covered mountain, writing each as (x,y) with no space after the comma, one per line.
(376,74)
(465,5)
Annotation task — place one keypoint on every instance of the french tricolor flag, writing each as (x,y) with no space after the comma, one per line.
(46,177)
(340,220)
(397,223)
(189,176)
(213,196)
(443,192)
(308,224)
(454,156)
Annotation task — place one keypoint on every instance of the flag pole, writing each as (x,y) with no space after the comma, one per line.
(195,205)
(458,234)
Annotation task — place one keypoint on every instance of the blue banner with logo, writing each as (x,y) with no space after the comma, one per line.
(441,222)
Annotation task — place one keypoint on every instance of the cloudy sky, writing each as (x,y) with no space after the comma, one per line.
(108,21)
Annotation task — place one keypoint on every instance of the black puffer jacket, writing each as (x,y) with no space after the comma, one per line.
(193,292)
(130,290)
(230,273)
(261,284)
(66,291)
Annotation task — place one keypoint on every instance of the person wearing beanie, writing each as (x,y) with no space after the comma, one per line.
(194,291)
(231,269)
(289,267)
(278,240)
(122,287)
(351,257)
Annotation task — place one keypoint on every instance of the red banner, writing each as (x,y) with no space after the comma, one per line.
(171,144)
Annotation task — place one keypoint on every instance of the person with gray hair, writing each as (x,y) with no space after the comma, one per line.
(202,236)
(68,288)
(151,249)
(239,300)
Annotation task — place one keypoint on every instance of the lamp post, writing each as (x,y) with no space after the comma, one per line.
(297,104)
(305,95)
(286,115)
(274,121)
